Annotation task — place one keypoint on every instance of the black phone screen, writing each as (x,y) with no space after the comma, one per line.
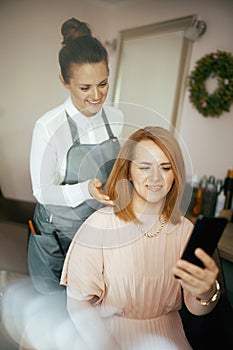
(205,235)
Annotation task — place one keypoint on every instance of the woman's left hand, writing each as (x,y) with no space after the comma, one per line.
(200,282)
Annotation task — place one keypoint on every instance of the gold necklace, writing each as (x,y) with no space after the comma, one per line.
(150,233)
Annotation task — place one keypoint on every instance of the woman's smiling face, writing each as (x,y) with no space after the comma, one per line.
(88,86)
(151,175)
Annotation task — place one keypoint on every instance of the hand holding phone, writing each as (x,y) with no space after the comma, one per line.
(206,234)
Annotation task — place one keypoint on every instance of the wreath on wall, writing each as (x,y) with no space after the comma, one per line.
(217,65)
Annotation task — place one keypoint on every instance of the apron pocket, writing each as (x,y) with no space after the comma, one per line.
(45,263)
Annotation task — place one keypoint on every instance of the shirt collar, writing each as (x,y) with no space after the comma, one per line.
(78,117)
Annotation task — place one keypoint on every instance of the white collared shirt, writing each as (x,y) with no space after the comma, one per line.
(51,141)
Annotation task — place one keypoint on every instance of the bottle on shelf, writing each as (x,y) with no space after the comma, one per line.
(228,189)
(220,202)
(209,197)
(197,207)
(191,188)
(219,185)
(228,192)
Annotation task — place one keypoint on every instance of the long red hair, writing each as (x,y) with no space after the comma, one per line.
(119,187)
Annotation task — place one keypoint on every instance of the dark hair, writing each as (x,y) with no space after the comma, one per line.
(120,190)
(79,46)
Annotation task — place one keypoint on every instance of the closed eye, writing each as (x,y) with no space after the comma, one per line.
(166,167)
(144,166)
(103,84)
(85,88)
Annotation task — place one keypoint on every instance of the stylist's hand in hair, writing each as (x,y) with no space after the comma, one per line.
(95,190)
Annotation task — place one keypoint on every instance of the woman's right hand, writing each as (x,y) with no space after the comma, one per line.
(95,190)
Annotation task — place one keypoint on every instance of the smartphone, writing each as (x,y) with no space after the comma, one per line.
(206,234)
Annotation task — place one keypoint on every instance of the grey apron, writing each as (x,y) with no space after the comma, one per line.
(56,225)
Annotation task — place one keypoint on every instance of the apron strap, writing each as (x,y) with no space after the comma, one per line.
(106,123)
(74,129)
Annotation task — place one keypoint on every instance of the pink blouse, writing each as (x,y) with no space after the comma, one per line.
(131,276)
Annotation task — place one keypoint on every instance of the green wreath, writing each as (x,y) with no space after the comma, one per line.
(220,65)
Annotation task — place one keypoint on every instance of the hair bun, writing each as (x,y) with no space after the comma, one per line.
(73,29)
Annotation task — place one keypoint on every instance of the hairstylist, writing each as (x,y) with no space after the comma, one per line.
(74,147)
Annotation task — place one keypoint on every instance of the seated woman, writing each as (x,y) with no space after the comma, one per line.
(120,267)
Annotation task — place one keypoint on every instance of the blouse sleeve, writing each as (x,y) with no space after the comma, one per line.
(83,271)
(45,170)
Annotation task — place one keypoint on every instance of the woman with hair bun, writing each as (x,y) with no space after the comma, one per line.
(73,149)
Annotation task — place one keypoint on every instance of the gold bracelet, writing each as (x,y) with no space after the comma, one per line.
(214,297)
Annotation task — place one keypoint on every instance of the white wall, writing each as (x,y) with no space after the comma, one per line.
(30,40)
